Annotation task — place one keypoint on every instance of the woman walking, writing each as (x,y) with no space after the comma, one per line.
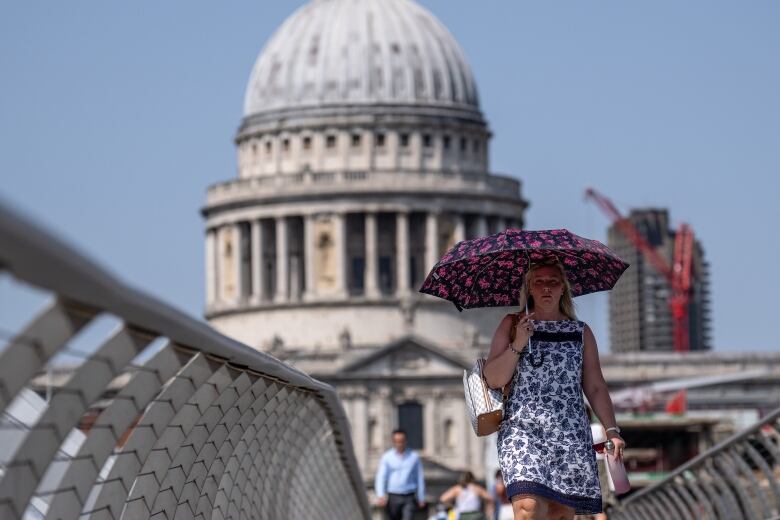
(544,443)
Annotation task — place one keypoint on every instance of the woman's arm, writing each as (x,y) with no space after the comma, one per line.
(501,362)
(482,492)
(593,383)
(595,389)
(450,495)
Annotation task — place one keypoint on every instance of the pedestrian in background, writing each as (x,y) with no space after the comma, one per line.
(468,497)
(400,483)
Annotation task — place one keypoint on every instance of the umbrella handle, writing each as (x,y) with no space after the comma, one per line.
(529,337)
(528,269)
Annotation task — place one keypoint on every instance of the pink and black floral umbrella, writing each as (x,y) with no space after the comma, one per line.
(488,271)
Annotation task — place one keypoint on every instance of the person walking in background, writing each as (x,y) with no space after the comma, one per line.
(400,483)
(468,497)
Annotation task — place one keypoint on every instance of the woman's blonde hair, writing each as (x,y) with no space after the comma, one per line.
(566,303)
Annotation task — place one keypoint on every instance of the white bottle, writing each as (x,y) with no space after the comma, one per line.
(617,471)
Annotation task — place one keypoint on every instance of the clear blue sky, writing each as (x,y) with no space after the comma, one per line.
(115,116)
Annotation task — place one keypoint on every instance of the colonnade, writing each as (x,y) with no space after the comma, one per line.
(272,259)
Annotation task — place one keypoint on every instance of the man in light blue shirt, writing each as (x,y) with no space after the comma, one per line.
(399,479)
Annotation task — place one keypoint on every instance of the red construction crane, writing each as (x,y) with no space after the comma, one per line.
(678,276)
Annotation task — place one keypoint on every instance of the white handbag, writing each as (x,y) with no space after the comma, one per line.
(485,405)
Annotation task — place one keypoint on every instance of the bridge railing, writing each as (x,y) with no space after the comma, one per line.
(162,416)
(734,480)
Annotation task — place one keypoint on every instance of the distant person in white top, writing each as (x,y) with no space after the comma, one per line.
(468,497)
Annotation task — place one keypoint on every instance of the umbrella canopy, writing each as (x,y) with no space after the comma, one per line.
(488,271)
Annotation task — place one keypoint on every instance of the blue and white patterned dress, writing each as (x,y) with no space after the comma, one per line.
(545,446)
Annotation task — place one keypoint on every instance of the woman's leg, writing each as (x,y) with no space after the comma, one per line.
(529,507)
(557,511)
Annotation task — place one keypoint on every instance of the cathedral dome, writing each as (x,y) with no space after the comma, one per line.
(347,53)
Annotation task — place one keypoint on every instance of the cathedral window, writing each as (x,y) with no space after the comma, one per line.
(427,140)
(307,142)
(356,140)
(446,142)
(379,140)
(330,141)
(404,139)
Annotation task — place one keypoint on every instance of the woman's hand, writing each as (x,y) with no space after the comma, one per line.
(523,332)
(619,443)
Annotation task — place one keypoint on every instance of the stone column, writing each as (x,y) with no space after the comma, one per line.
(370,148)
(257,261)
(418,150)
(402,252)
(277,147)
(360,429)
(309,248)
(211,274)
(460,227)
(340,241)
(393,146)
(383,402)
(281,260)
(464,428)
(502,223)
(219,265)
(431,240)
(482,229)
(238,252)
(430,426)
(371,280)
(438,401)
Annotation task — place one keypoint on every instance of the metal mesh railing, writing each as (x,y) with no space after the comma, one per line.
(735,480)
(161,417)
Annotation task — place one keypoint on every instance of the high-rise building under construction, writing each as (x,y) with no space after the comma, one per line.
(640,318)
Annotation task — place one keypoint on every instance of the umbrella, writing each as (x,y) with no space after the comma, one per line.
(489,271)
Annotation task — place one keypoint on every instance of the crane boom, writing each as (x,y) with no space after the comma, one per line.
(678,275)
(631,233)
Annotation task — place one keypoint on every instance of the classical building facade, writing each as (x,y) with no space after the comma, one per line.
(362,157)
(639,315)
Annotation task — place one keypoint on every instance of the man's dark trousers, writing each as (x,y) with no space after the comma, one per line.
(400,507)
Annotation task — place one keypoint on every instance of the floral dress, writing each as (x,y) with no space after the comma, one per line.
(545,446)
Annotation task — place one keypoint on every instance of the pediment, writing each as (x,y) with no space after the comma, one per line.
(407,357)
